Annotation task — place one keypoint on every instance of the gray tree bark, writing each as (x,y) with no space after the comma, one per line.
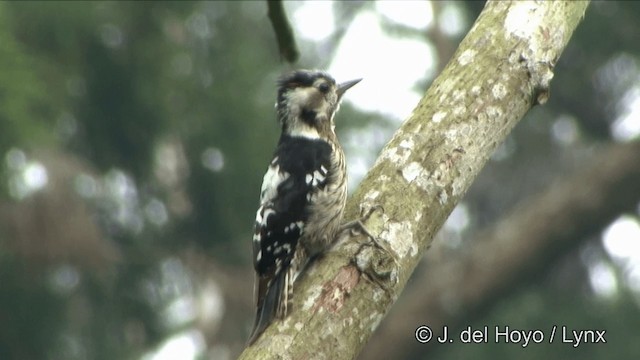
(501,69)
(526,242)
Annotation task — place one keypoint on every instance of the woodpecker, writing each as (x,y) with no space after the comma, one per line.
(303,192)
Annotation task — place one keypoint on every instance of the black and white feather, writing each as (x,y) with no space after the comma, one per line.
(303,192)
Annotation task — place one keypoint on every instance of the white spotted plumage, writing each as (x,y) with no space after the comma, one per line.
(272,179)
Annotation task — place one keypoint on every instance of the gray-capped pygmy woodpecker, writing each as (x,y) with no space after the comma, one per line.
(303,193)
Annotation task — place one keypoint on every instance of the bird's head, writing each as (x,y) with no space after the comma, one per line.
(308,101)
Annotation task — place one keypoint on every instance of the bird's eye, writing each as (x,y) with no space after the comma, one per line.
(324,88)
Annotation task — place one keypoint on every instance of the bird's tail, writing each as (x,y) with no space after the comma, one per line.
(273,299)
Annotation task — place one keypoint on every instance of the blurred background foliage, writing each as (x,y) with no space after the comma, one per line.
(134,137)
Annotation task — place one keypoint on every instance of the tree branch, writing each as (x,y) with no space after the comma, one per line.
(501,69)
(522,244)
(284,33)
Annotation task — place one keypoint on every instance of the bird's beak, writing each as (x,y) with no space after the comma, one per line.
(346,86)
